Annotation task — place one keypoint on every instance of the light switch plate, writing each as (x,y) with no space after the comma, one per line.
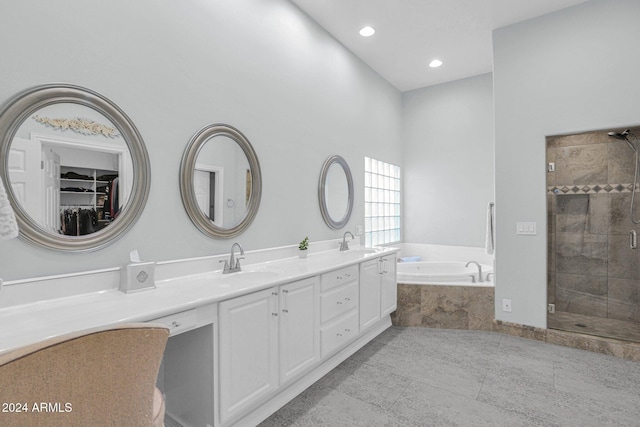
(526,228)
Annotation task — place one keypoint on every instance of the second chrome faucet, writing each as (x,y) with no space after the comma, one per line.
(233,264)
(344,245)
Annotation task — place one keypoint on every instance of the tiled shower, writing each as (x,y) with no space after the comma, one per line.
(593,272)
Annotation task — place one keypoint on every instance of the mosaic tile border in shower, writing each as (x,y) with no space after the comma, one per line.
(591,189)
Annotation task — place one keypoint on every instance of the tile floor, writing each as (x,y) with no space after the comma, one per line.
(434,377)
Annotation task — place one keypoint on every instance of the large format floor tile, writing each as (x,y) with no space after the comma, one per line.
(434,377)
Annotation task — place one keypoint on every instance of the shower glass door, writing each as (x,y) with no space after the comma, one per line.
(593,260)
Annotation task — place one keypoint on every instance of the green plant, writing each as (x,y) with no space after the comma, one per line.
(304,244)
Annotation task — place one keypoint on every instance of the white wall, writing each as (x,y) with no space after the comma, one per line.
(174,67)
(448,162)
(571,71)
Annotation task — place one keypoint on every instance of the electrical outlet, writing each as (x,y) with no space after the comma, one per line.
(506,305)
(551,167)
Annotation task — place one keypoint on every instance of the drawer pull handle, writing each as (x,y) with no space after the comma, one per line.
(339,302)
(274,294)
(274,314)
(347,299)
(176,324)
(347,330)
(285,310)
(338,335)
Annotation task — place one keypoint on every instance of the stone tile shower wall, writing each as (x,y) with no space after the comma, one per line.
(591,268)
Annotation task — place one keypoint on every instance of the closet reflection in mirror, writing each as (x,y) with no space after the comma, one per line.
(69,169)
(222,181)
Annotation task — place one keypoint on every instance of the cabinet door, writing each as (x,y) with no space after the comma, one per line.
(248,350)
(299,329)
(389,285)
(369,293)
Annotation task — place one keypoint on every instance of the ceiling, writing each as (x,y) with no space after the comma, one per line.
(410,33)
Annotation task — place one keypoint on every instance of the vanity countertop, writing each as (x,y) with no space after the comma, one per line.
(33,322)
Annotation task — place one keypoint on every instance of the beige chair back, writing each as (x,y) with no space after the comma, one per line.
(94,378)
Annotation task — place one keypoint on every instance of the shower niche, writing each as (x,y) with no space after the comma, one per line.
(593,280)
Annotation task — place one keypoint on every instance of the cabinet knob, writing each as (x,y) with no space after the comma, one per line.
(175,324)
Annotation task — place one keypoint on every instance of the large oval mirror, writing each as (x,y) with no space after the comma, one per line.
(76,168)
(335,192)
(220,181)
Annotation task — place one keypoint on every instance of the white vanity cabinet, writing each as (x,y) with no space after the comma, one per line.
(248,350)
(266,338)
(388,285)
(299,319)
(370,292)
(338,308)
(378,289)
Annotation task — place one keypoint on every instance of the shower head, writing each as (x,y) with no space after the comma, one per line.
(623,136)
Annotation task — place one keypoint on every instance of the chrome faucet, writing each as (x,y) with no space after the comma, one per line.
(480,279)
(344,245)
(232,264)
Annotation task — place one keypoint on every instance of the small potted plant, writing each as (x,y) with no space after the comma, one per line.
(303,246)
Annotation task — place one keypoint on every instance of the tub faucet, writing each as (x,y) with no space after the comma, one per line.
(233,264)
(344,245)
(480,279)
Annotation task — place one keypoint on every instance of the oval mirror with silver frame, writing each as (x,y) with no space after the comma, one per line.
(220,181)
(335,192)
(64,206)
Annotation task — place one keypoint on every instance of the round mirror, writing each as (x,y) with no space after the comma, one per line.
(335,192)
(220,181)
(76,168)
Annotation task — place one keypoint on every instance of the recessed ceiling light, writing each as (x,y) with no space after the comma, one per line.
(367,31)
(435,63)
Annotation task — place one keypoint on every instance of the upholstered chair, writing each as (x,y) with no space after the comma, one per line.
(99,377)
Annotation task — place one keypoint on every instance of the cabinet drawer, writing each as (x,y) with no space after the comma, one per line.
(338,333)
(338,277)
(338,301)
(179,322)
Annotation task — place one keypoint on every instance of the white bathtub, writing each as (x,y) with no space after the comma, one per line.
(443,273)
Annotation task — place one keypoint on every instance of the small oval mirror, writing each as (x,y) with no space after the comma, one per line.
(335,192)
(220,181)
(76,167)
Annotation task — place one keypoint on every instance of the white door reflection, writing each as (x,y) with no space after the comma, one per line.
(208,184)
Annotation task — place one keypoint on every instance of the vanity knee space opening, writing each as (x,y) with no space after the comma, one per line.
(186,378)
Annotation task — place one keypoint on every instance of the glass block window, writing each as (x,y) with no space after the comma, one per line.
(381,202)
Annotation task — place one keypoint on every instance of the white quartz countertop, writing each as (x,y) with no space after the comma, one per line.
(30,323)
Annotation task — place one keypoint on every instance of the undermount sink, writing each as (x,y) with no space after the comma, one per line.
(357,253)
(360,251)
(248,277)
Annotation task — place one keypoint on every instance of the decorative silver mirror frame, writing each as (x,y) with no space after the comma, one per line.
(187,170)
(24,104)
(331,222)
